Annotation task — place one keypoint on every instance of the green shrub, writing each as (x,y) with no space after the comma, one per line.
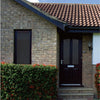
(27,82)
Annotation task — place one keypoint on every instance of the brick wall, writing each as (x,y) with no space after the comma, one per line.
(44,34)
(87,68)
(94,72)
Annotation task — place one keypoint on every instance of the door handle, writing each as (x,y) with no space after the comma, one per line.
(62,61)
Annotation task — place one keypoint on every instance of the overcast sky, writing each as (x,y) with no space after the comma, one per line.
(68,1)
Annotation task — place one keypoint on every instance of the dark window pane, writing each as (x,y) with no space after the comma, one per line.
(66,51)
(75,51)
(23,47)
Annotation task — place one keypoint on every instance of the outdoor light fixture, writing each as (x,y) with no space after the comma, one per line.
(90,45)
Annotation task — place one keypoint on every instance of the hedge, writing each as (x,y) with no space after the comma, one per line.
(97,79)
(27,82)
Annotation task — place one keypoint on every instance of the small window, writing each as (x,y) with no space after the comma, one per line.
(22,47)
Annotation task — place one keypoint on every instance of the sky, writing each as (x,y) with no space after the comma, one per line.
(68,1)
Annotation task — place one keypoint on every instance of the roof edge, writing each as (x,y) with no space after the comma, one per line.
(53,20)
(82,29)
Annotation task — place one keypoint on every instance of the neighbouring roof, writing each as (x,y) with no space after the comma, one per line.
(79,16)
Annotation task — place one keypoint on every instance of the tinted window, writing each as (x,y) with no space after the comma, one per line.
(22,47)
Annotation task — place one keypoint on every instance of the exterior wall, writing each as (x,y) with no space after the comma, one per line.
(44,34)
(90,58)
(94,88)
(95,56)
(87,68)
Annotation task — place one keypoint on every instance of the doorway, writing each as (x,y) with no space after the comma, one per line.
(70,60)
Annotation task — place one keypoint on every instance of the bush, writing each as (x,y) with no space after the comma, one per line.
(27,82)
(97,78)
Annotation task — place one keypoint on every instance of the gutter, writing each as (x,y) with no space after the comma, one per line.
(82,29)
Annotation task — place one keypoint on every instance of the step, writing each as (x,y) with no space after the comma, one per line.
(75,93)
(75,97)
(75,90)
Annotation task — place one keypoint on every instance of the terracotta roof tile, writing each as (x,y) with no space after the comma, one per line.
(73,14)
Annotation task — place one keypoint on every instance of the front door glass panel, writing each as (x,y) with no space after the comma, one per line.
(66,51)
(75,50)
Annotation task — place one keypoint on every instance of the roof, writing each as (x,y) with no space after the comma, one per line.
(67,16)
(73,14)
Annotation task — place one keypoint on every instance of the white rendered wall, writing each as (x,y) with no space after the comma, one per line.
(96,48)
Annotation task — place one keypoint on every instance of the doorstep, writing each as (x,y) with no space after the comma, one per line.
(75,93)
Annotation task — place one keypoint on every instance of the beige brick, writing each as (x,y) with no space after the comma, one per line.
(44,34)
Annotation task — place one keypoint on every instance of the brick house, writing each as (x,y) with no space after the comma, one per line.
(66,35)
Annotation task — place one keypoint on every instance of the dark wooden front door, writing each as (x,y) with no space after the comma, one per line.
(71,61)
